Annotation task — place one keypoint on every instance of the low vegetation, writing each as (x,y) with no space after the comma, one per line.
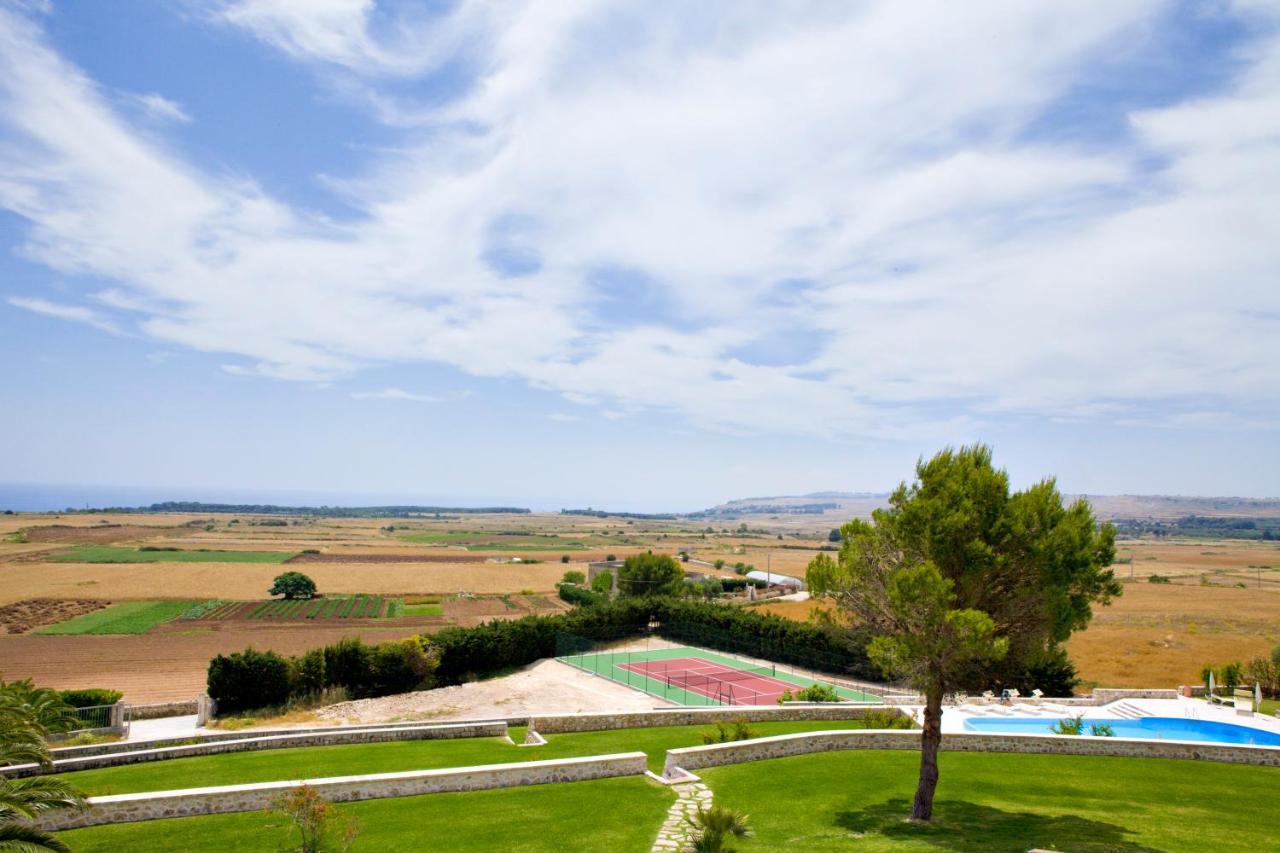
(127,617)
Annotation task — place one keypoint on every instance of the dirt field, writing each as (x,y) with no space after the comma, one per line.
(1160,635)
(22,616)
(20,580)
(168,664)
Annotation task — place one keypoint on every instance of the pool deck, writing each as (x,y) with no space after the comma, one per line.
(953,717)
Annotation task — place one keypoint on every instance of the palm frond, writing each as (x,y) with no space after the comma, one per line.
(25,838)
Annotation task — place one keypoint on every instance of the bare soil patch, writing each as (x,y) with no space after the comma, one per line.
(20,617)
(389,558)
(546,687)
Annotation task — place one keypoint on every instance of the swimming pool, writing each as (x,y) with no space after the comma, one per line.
(1154,728)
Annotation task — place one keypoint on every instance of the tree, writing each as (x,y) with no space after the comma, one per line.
(293,585)
(834,535)
(650,574)
(574,576)
(28,715)
(602,583)
(564,558)
(958,573)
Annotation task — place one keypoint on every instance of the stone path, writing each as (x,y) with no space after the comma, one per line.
(677,833)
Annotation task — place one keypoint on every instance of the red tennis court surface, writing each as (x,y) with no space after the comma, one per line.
(714,680)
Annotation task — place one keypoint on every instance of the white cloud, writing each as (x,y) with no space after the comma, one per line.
(75,313)
(393,394)
(159,106)
(852,177)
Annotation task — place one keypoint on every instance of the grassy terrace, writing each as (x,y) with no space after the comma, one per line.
(353,759)
(857,800)
(609,814)
(825,802)
(113,554)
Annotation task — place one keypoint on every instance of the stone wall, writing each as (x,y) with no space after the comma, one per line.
(605,720)
(697,757)
(244,743)
(162,709)
(124,808)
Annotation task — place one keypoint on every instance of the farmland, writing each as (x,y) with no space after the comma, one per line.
(385,578)
(129,617)
(108,554)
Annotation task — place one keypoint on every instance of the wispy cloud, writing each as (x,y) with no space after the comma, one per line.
(632,206)
(161,107)
(394,394)
(75,313)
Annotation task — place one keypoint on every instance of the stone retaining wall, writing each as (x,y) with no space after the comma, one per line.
(604,720)
(1103,695)
(284,740)
(697,757)
(124,808)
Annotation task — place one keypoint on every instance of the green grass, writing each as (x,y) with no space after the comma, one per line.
(422,609)
(988,802)
(318,762)
(608,814)
(112,554)
(127,617)
(609,665)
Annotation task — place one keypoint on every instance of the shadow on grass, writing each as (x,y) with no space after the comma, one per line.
(965,827)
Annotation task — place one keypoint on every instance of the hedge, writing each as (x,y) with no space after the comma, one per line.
(580,595)
(90,696)
(251,680)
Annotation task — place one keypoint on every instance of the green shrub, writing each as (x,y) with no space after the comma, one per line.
(88,697)
(574,576)
(1101,730)
(564,558)
(1232,674)
(250,679)
(577,595)
(728,732)
(307,673)
(602,583)
(812,693)
(1158,579)
(883,718)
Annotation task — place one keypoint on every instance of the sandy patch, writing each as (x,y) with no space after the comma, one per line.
(546,687)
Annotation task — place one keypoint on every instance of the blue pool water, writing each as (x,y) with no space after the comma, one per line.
(1153,728)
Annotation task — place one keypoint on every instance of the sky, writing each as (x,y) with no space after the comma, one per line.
(637,255)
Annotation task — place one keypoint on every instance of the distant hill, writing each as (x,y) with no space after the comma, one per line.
(845,505)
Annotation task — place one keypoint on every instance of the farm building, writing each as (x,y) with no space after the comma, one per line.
(775,579)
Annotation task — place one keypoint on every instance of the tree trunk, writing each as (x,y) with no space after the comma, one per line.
(930,742)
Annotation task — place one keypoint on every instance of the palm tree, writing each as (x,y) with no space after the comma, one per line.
(28,715)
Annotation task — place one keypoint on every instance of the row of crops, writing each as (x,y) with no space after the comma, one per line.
(328,607)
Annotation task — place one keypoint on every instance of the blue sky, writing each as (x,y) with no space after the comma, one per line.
(637,255)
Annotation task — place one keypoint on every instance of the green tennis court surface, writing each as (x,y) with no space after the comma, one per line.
(687,675)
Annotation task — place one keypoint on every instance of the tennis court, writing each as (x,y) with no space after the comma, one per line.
(687,675)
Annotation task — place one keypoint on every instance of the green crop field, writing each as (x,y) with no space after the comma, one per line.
(127,617)
(113,554)
(625,815)
(423,609)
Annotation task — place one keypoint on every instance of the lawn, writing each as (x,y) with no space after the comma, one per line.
(988,802)
(113,554)
(624,815)
(127,617)
(354,759)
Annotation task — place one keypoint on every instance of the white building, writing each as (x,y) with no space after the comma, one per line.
(775,579)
